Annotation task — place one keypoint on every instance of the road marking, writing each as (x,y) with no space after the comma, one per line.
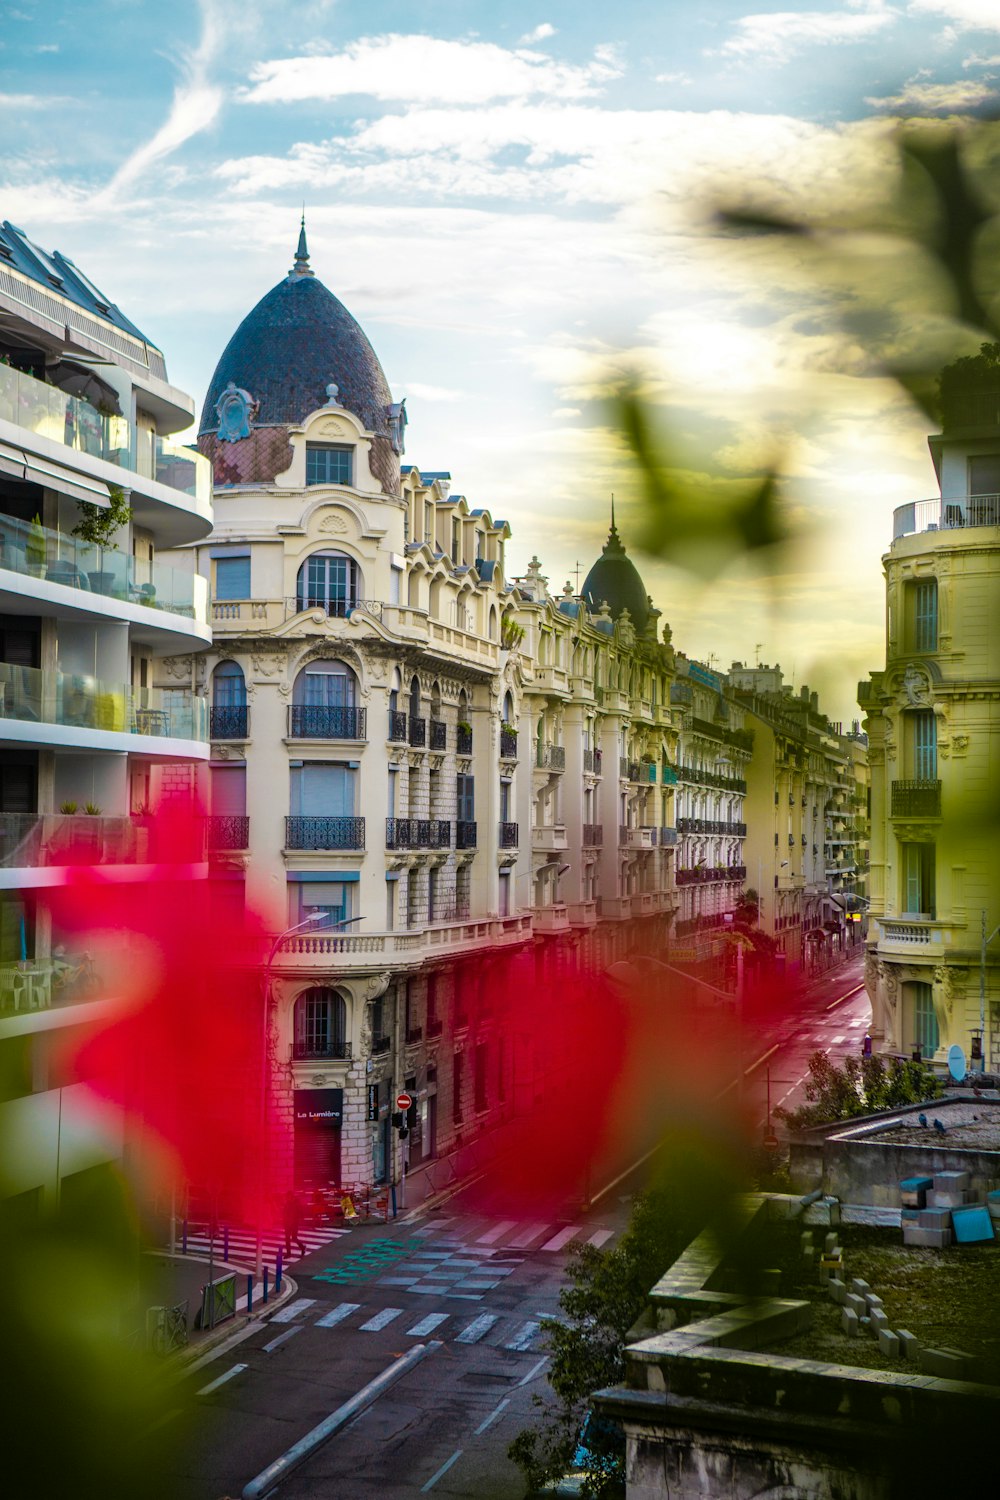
(443,1470)
(488,1421)
(857,990)
(858,1022)
(534,1370)
(339,1313)
(524,1239)
(600,1238)
(293,1309)
(524,1335)
(288,1333)
(492,1235)
(427,1325)
(477,1329)
(837,1041)
(381,1320)
(563,1237)
(213,1385)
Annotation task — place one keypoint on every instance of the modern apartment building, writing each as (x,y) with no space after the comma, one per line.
(933,716)
(91,491)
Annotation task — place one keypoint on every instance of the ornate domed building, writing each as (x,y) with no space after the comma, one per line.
(614,580)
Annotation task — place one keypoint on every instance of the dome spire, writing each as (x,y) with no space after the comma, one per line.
(614,541)
(301,266)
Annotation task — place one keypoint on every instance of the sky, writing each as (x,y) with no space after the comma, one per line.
(516,203)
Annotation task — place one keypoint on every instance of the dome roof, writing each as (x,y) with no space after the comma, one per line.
(615,578)
(298,340)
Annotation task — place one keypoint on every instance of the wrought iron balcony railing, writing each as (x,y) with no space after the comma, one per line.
(316,1047)
(463,741)
(508,835)
(324,833)
(593,835)
(228,831)
(508,743)
(417,731)
(308,721)
(465,835)
(551,757)
(229,723)
(439,734)
(380,1045)
(916,799)
(397,727)
(417,833)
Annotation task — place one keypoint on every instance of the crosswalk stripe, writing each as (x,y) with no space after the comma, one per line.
(600,1238)
(427,1325)
(523,1336)
(213,1385)
(381,1319)
(531,1232)
(477,1329)
(339,1313)
(494,1234)
(563,1237)
(293,1309)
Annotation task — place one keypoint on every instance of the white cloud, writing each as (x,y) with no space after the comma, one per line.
(966,15)
(681,78)
(541,33)
(775,36)
(562,412)
(917,96)
(418,391)
(195,105)
(424,67)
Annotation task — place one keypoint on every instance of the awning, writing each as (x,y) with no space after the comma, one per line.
(11,461)
(66,481)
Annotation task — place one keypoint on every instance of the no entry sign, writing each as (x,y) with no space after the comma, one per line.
(403,1101)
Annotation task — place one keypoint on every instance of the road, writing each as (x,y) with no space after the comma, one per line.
(470,1282)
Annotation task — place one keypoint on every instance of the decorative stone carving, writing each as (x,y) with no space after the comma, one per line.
(334,427)
(376,985)
(267,664)
(916,685)
(333,525)
(236,410)
(177,666)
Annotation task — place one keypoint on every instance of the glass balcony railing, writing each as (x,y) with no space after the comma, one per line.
(76,424)
(27,547)
(85,703)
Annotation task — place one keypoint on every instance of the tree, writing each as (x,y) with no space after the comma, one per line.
(863,1086)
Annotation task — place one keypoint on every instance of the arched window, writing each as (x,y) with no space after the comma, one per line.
(329,581)
(493,623)
(324,702)
(229,702)
(320,1024)
(508,708)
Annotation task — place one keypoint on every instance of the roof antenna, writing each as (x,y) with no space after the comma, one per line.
(301,266)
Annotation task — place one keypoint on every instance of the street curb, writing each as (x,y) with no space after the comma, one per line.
(183,1360)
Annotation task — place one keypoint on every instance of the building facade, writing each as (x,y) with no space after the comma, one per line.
(932,720)
(91,492)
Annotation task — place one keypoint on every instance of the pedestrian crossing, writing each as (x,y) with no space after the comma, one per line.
(509,1234)
(515,1333)
(240,1245)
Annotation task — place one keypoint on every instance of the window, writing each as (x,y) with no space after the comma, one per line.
(465,799)
(390,905)
(320,1022)
(923,729)
(328,463)
(925,615)
(322,789)
(456,1088)
(331,897)
(918,880)
(229,688)
(925,1026)
(232,577)
(480,1077)
(505,893)
(432,895)
(328,581)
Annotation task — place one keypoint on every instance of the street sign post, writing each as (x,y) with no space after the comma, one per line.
(404,1102)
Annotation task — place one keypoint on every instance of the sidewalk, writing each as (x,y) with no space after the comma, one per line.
(171,1281)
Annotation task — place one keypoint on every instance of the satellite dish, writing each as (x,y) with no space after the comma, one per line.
(956,1063)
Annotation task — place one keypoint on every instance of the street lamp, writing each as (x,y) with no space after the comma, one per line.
(312,920)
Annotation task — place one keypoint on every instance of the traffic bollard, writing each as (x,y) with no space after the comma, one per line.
(249,1293)
(265,1284)
(184,1238)
(225,1243)
(277,1272)
(392,1191)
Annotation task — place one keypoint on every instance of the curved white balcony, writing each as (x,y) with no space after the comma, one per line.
(80,712)
(956,514)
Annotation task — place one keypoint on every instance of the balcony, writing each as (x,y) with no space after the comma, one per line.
(308,721)
(36,551)
(615,908)
(592,762)
(414,1034)
(416,732)
(78,702)
(551,918)
(228,831)
(668,837)
(439,735)
(381,1045)
(38,840)
(582,913)
(919,934)
(76,424)
(417,833)
(397,728)
(549,836)
(324,833)
(508,835)
(435,1026)
(508,743)
(463,739)
(945,515)
(593,835)
(916,799)
(318,1047)
(229,723)
(551,757)
(637,838)
(711,825)
(634,770)
(465,834)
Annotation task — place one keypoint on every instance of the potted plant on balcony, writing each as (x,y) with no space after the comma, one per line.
(34,547)
(98,525)
(68,807)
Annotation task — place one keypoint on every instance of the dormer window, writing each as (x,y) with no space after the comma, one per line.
(329,463)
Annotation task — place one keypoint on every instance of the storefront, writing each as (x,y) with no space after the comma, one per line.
(319,1116)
